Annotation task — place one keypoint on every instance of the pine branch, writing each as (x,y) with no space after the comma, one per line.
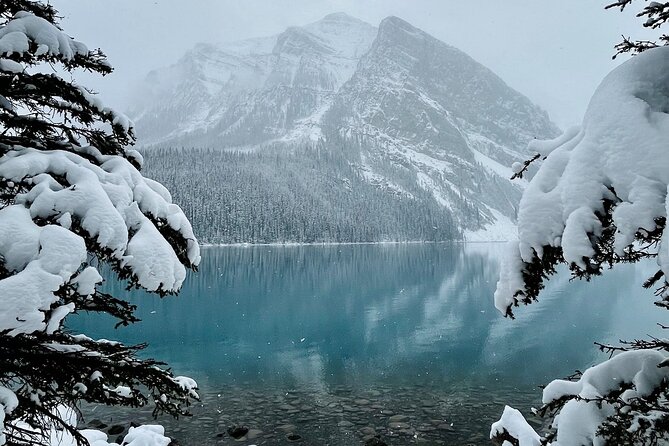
(656,14)
(66,360)
(10,7)
(526,165)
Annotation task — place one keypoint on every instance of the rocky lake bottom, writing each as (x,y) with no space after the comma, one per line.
(343,416)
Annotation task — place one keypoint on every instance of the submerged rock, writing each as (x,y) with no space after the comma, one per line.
(293,437)
(237,432)
(116,429)
(398,425)
(368,431)
(375,441)
(398,419)
(97,424)
(253,434)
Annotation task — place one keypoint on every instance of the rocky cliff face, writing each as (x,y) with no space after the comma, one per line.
(408,110)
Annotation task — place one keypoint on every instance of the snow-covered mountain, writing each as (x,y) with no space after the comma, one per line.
(410,112)
(256,90)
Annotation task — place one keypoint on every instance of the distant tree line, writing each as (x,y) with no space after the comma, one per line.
(306,194)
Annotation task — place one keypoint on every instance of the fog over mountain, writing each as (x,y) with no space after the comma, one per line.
(338,131)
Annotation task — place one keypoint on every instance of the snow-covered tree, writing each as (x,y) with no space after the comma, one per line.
(72,198)
(601,198)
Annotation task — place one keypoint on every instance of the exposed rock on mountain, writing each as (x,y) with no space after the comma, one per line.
(391,107)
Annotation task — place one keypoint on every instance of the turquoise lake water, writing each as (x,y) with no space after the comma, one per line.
(324,344)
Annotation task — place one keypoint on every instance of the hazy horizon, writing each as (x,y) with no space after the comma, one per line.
(554,54)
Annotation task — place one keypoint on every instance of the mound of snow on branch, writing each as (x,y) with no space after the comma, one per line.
(619,154)
(580,418)
(144,435)
(514,424)
(24,28)
(632,374)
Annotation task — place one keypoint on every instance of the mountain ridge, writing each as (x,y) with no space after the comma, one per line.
(412,111)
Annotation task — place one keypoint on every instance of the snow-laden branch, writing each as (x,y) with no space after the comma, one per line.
(611,175)
(110,204)
(627,383)
(27,37)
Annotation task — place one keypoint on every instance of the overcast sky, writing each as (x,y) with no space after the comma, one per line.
(555,52)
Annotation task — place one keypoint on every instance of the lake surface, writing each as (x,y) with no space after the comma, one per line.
(315,343)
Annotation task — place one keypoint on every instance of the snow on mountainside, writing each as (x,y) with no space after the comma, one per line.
(409,111)
(446,117)
(256,90)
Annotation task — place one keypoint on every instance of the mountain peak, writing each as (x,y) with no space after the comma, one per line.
(392,25)
(340,21)
(347,36)
(340,17)
(395,21)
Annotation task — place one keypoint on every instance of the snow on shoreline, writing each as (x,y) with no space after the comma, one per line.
(501,231)
(298,244)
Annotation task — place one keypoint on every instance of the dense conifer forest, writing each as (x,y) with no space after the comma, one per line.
(307,195)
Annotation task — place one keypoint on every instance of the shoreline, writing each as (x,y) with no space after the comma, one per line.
(299,244)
